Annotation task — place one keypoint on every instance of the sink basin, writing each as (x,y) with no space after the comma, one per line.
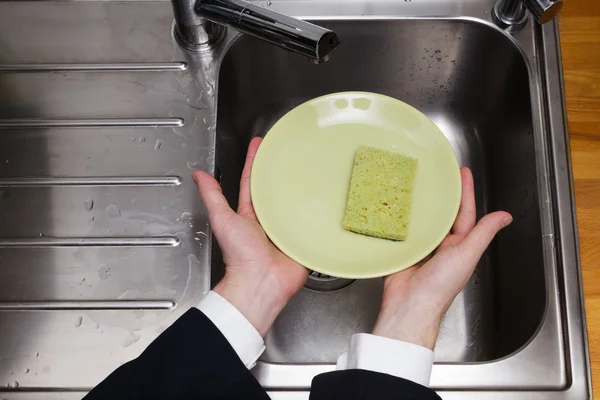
(104,242)
(472,81)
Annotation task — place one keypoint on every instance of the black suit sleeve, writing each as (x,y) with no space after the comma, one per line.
(357,384)
(193,360)
(190,360)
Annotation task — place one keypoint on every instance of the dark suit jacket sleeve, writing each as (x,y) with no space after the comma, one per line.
(357,384)
(190,360)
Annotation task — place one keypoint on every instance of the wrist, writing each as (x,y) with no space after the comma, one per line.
(257,301)
(410,326)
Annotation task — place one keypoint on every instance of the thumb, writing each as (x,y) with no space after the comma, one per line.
(211,194)
(480,237)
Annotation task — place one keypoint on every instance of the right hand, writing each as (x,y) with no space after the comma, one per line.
(416,299)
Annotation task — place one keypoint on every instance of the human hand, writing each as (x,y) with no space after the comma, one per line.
(416,299)
(259,279)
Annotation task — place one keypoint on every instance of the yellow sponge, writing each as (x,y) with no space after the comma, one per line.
(380,194)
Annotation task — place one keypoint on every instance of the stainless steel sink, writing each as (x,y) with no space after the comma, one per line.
(445,69)
(103,240)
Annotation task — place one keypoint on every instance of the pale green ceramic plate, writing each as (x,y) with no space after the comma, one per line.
(301,176)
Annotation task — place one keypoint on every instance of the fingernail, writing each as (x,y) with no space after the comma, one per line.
(506,221)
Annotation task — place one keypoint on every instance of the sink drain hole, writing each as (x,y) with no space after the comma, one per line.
(324,283)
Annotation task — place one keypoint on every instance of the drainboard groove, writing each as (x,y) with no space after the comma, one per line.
(60,305)
(95,67)
(90,122)
(91,181)
(159,241)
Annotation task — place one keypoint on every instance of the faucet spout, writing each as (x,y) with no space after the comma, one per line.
(293,34)
(201,17)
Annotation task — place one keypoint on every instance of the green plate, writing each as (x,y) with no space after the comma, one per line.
(301,176)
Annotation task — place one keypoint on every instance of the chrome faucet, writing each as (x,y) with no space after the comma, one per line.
(200,23)
(513,13)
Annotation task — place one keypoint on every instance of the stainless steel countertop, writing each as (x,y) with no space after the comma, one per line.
(104,242)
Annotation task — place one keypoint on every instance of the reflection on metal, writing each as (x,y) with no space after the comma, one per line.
(87,305)
(92,181)
(90,242)
(116,67)
(90,123)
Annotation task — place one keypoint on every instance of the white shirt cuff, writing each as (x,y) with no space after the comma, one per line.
(239,332)
(388,356)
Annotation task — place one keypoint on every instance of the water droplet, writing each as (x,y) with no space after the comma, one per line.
(158,144)
(88,204)
(96,326)
(193,262)
(194,165)
(341,103)
(186,217)
(129,340)
(211,89)
(361,104)
(104,272)
(142,139)
(26,370)
(113,211)
(37,354)
(12,385)
(78,321)
(199,100)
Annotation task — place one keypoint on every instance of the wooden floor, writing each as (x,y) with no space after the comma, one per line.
(580,40)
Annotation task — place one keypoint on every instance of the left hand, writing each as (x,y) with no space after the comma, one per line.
(259,279)
(416,299)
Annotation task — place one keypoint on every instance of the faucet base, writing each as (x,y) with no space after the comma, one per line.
(513,13)
(198,38)
(509,14)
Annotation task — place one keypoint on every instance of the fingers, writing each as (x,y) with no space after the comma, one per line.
(467,213)
(211,194)
(477,241)
(245,200)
